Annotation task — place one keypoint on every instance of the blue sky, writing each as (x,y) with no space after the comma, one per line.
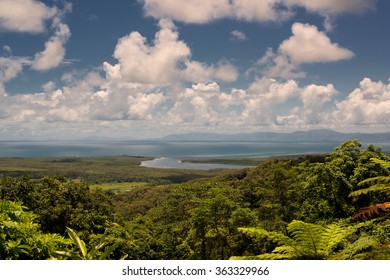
(146,68)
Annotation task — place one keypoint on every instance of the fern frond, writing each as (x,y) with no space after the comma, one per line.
(334,234)
(375,180)
(307,235)
(382,163)
(358,249)
(305,240)
(375,188)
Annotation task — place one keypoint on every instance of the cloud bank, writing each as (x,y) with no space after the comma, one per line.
(154,87)
(198,11)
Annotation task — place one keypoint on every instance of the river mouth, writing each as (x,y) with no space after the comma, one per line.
(178,163)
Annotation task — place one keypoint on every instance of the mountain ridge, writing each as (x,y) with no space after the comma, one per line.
(320,135)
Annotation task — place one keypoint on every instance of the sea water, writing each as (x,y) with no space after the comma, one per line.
(170,151)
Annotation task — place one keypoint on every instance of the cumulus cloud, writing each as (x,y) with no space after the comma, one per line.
(306,45)
(369,104)
(24,15)
(10,67)
(54,52)
(168,60)
(265,95)
(31,16)
(313,98)
(309,45)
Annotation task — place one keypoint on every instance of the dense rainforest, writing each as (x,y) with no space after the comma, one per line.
(331,206)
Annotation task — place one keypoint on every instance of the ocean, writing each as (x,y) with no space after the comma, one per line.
(177,149)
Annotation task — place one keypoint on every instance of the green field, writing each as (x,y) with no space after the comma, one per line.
(119,187)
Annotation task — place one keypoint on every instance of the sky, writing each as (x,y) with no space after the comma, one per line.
(72,69)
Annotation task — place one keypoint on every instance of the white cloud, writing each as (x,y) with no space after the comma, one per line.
(334,6)
(306,45)
(313,98)
(49,86)
(54,52)
(367,105)
(265,95)
(199,11)
(167,61)
(277,65)
(252,10)
(10,68)
(191,11)
(24,15)
(144,107)
(238,35)
(93,102)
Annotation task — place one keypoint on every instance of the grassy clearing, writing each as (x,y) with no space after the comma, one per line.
(119,187)
(19,169)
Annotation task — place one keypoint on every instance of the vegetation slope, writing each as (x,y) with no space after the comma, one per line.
(314,207)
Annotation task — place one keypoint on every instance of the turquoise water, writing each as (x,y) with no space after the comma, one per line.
(177,163)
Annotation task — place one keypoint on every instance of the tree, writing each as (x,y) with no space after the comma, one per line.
(60,202)
(328,185)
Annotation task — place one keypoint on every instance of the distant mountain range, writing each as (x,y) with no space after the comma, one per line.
(320,135)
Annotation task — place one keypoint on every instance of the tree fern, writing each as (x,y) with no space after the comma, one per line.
(304,240)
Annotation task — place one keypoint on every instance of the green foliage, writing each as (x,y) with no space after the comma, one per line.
(303,240)
(60,202)
(327,186)
(83,253)
(20,237)
(378,184)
